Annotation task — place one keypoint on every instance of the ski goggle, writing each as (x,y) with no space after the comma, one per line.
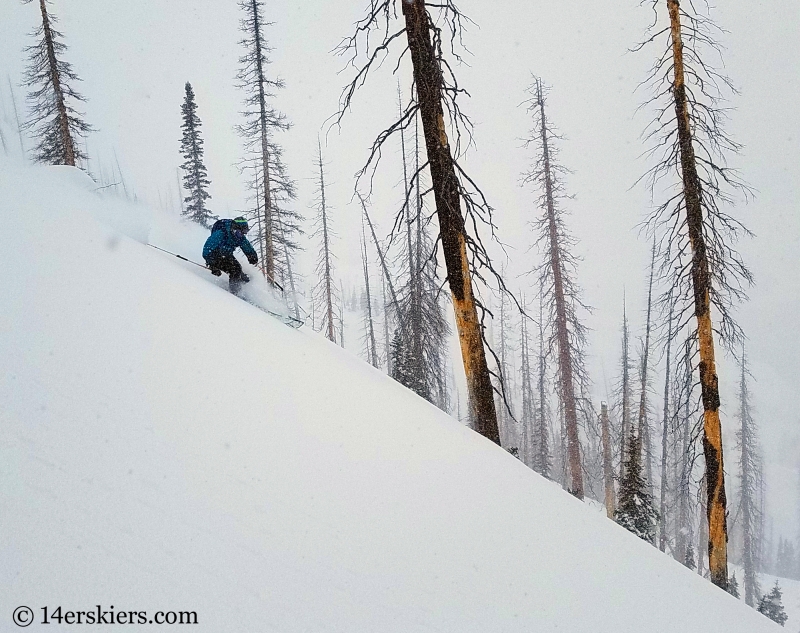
(241,227)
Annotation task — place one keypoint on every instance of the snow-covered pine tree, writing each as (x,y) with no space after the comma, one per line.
(771,605)
(280,226)
(749,502)
(636,510)
(54,122)
(195,178)
(560,289)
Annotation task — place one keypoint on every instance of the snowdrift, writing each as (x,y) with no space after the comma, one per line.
(164,446)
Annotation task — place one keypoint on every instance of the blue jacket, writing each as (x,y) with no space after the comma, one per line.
(223,241)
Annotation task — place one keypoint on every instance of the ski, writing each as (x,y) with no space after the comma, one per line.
(291,321)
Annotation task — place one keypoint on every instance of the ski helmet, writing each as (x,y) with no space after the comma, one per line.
(241,224)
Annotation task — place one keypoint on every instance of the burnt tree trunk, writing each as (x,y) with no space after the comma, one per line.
(716,506)
(428,80)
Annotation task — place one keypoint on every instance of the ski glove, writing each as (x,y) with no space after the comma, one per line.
(253,259)
(215,271)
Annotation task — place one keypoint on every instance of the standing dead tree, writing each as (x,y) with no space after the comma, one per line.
(279,225)
(325,292)
(608,464)
(372,346)
(528,444)
(54,122)
(623,391)
(749,492)
(644,384)
(561,293)
(436,94)
(695,235)
(662,509)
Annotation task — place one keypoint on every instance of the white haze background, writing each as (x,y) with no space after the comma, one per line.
(135,57)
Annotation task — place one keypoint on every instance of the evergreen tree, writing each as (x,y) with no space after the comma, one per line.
(636,510)
(733,586)
(55,123)
(688,560)
(195,180)
(771,605)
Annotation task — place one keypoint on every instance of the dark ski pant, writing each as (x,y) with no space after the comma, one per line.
(229,264)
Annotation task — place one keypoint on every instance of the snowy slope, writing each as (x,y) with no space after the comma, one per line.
(165,446)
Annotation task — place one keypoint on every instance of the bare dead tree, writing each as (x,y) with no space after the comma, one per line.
(696,235)
(431,42)
(262,123)
(542,461)
(528,418)
(663,537)
(372,346)
(750,469)
(54,121)
(644,424)
(561,293)
(623,390)
(608,463)
(325,292)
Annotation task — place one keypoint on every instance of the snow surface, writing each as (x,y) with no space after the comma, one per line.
(166,446)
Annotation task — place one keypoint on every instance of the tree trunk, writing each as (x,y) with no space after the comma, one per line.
(55,78)
(331,333)
(644,426)
(265,160)
(747,498)
(566,386)
(662,545)
(608,466)
(373,347)
(626,405)
(712,428)
(428,79)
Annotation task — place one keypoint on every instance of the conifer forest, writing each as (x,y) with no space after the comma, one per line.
(575,229)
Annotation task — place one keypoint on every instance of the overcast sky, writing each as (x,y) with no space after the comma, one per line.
(135,57)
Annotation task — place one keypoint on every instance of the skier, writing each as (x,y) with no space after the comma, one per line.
(226,236)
